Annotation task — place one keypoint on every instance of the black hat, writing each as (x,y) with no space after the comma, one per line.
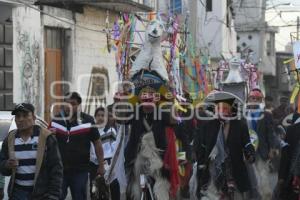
(228,101)
(25,107)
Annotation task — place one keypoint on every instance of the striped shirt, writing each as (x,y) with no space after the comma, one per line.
(25,152)
(108,139)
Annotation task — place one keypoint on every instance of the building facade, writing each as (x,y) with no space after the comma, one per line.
(61,46)
(255,38)
(211,23)
(216,29)
(283,82)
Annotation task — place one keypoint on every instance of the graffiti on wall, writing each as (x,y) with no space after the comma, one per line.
(28,49)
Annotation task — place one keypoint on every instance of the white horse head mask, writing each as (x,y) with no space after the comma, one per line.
(154,31)
(150,56)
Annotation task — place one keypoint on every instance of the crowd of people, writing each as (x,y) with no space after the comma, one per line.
(254,157)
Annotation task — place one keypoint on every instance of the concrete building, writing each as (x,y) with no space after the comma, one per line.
(211,22)
(255,38)
(216,28)
(281,84)
(57,46)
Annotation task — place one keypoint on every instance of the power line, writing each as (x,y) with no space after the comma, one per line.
(279,13)
(57,18)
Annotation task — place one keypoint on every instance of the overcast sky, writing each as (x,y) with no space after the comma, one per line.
(287,1)
(288,17)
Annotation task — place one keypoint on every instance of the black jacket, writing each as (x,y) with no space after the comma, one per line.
(238,143)
(50,177)
(266,136)
(74,141)
(137,132)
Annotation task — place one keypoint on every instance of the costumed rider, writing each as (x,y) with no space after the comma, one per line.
(261,123)
(225,145)
(148,145)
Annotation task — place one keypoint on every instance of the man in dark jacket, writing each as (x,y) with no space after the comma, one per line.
(31,157)
(260,121)
(224,144)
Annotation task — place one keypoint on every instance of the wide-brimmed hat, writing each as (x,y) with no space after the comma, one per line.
(222,96)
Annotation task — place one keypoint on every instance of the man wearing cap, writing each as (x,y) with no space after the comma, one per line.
(75,131)
(261,122)
(31,157)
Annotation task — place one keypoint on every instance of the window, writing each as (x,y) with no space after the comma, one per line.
(1,33)
(209,5)
(8,34)
(176,6)
(1,57)
(2,86)
(8,80)
(8,57)
(54,38)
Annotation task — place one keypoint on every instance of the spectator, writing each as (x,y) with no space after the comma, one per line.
(281,111)
(31,157)
(108,134)
(75,131)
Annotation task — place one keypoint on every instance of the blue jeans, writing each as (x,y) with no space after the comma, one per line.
(77,181)
(19,194)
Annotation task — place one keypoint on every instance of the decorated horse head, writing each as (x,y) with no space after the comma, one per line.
(154,31)
(150,57)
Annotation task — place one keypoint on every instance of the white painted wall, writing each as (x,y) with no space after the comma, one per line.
(266,63)
(253,44)
(66,17)
(213,32)
(27,55)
